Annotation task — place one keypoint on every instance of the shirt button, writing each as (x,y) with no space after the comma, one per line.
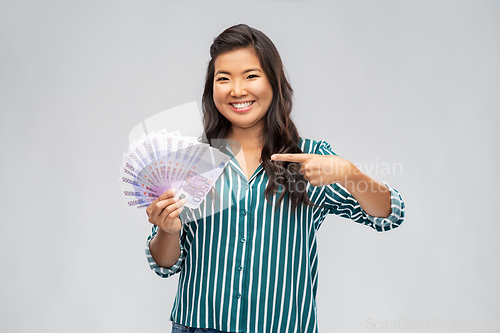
(244,212)
(240,267)
(243,240)
(238,295)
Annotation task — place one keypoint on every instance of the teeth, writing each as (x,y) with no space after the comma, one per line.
(241,105)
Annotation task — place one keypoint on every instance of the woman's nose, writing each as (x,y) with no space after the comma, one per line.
(238,89)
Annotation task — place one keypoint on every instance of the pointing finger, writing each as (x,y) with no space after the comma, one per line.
(299,158)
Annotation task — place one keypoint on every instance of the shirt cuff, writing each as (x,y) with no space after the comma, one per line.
(397,213)
(163,272)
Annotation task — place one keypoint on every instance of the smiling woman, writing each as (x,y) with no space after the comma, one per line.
(243,95)
(242,92)
(253,266)
(241,49)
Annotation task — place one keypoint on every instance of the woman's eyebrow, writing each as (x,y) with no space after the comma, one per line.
(252,70)
(248,70)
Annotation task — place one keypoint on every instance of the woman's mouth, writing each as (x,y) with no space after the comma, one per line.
(242,106)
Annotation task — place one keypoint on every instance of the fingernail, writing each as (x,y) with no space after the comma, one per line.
(174,191)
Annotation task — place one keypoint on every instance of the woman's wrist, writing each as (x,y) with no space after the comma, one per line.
(167,235)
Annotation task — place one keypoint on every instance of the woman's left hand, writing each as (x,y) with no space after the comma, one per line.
(319,170)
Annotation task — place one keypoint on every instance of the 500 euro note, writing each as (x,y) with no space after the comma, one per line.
(201,177)
(160,161)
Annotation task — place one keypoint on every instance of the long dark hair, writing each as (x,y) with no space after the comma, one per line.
(280,133)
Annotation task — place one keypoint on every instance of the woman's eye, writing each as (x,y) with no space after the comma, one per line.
(252,76)
(222,79)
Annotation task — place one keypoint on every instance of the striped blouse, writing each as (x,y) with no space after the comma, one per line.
(246,267)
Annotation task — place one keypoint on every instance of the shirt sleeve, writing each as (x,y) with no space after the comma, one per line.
(337,200)
(165,272)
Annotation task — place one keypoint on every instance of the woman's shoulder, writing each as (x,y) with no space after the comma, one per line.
(310,146)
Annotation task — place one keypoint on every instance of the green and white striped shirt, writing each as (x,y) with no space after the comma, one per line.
(251,268)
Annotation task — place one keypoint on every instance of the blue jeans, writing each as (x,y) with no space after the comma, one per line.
(177,328)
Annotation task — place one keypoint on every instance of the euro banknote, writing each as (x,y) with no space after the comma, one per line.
(160,160)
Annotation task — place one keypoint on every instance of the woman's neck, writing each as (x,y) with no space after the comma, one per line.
(248,138)
(247,146)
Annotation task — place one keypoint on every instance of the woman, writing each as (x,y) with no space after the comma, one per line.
(250,264)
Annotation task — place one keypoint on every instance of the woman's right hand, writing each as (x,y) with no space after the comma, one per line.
(165,210)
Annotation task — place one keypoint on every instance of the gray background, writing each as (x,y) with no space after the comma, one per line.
(406,85)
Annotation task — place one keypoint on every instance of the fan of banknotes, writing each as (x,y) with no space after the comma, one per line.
(158,161)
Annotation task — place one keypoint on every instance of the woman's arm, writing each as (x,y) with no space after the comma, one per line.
(374,197)
(165,248)
(320,170)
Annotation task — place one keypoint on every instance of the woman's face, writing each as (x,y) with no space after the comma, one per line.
(242,92)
